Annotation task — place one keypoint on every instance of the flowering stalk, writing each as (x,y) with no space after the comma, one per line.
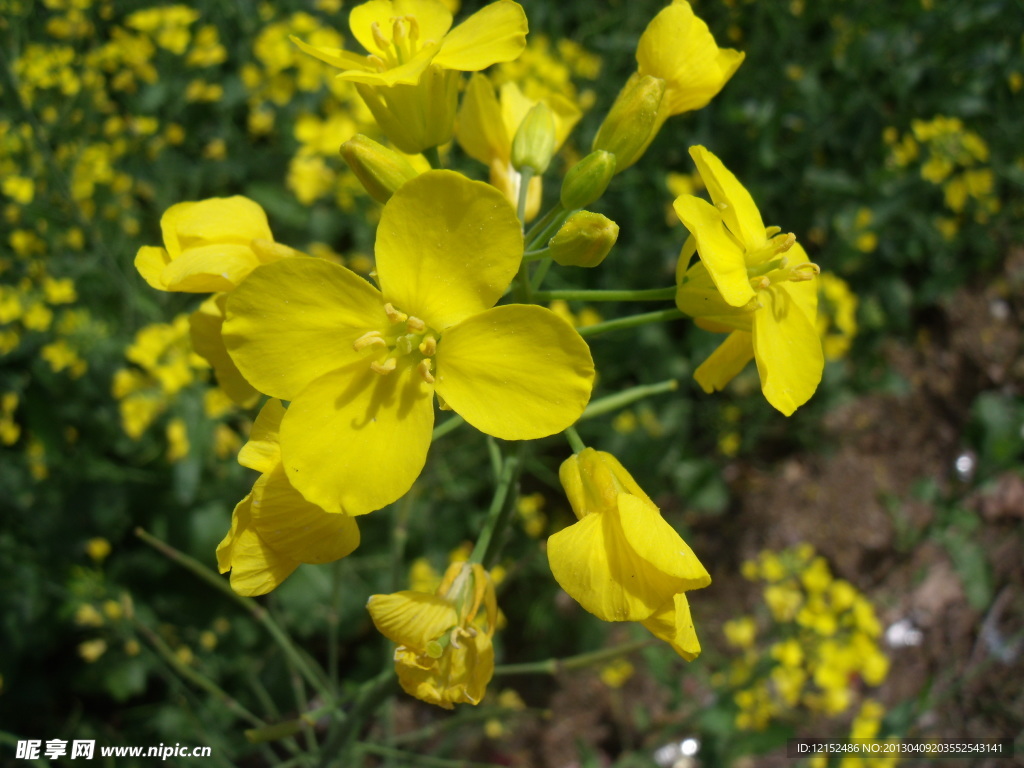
(632,321)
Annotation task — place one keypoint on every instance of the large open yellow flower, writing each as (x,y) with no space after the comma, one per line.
(273,529)
(360,365)
(621,560)
(753,283)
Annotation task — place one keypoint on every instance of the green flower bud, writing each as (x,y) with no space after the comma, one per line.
(587,180)
(534,143)
(380,170)
(632,122)
(584,240)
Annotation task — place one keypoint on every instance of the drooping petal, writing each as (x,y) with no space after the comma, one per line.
(593,480)
(787,349)
(737,207)
(658,544)
(412,618)
(721,254)
(205,329)
(516,372)
(256,569)
(460,676)
(262,451)
(150,262)
(726,362)
(296,319)
(432,18)
(495,33)
(296,529)
(593,562)
(699,297)
(355,441)
(480,129)
(673,624)
(447,247)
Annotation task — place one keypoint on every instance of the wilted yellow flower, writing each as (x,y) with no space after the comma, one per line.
(621,561)
(444,655)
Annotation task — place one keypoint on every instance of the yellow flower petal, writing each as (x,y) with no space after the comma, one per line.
(721,254)
(480,129)
(659,544)
(336,57)
(256,569)
(150,262)
(355,441)
(447,248)
(699,297)
(205,326)
(516,372)
(594,562)
(726,362)
(495,33)
(787,349)
(673,624)
(738,210)
(432,18)
(220,220)
(408,74)
(678,47)
(296,529)
(294,320)
(209,268)
(460,676)
(412,618)
(593,481)
(262,451)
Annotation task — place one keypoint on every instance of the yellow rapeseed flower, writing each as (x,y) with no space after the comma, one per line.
(356,434)
(752,282)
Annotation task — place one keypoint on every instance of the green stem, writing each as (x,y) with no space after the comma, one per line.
(523,288)
(632,321)
(543,223)
(540,273)
(538,237)
(540,253)
(554,666)
(411,758)
(193,676)
(333,620)
(574,439)
(450,424)
(371,695)
(256,610)
(627,397)
(433,156)
(652,294)
(499,513)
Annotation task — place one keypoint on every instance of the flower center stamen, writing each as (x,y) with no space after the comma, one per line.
(408,337)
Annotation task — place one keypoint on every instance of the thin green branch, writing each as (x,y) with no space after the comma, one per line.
(500,512)
(651,294)
(632,321)
(574,439)
(450,424)
(256,610)
(626,397)
(583,660)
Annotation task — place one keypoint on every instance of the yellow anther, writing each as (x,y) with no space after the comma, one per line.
(428,346)
(424,371)
(378,37)
(787,242)
(369,339)
(803,272)
(771,232)
(415,325)
(394,315)
(398,31)
(384,368)
(378,64)
(762,283)
(721,206)
(414,29)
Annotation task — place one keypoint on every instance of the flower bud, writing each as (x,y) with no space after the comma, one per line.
(587,180)
(534,142)
(632,122)
(380,170)
(584,240)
